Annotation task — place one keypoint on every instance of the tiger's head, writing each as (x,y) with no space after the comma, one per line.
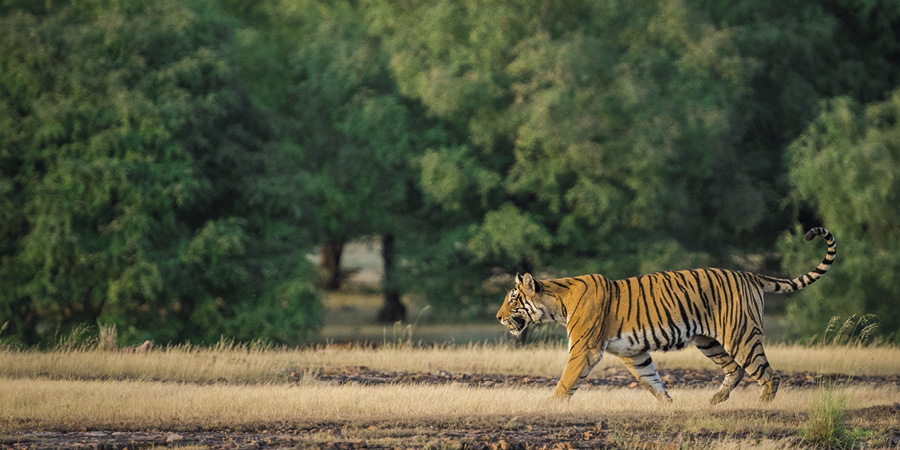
(521,307)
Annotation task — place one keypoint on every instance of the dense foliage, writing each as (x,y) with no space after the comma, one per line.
(847,166)
(136,183)
(167,166)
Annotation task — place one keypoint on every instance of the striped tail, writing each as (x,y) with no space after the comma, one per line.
(772,284)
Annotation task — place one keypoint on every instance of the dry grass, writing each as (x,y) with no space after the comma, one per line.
(67,404)
(247,364)
(239,387)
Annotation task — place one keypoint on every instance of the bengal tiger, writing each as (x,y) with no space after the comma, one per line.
(718,310)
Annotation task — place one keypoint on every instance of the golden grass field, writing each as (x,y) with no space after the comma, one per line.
(245,389)
(249,364)
(238,396)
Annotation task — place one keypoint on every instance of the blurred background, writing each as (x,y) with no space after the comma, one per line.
(299,171)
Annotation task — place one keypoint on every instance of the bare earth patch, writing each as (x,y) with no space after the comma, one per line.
(494,433)
(610,377)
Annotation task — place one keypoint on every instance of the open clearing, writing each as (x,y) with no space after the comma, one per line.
(396,395)
(477,396)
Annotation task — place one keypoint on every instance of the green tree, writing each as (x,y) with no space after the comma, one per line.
(583,136)
(800,54)
(135,183)
(326,79)
(847,166)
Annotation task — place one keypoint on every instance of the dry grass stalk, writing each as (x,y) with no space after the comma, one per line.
(42,404)
(249,364)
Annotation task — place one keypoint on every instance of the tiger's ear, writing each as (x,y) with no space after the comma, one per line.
(518,279)
(528,284)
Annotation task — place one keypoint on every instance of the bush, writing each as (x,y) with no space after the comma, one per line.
(846,165)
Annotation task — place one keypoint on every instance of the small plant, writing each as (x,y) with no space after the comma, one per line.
(79,338)
(873,439)
(402,335)
(827,423)
(3,345)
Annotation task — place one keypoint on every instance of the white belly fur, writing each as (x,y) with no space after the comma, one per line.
(621,346)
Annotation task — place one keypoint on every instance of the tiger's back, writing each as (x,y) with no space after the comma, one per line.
(666,310)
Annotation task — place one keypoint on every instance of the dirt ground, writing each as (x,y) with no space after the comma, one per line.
(615,431)
(494,434)
(610,377)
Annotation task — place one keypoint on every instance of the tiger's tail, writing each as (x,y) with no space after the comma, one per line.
(772,284)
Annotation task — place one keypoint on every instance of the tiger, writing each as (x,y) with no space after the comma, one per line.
(717,310)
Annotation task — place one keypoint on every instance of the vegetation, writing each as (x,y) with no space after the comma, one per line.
(827,423)
(261,364)
(239,387)
(136,182)
(280,392)
(166,167)
(97,405)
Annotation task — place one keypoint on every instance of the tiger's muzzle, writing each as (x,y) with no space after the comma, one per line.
(516,324)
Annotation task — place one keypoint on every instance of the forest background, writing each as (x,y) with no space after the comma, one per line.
(167,166)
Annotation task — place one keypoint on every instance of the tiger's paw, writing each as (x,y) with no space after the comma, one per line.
(719,397)
(769,390)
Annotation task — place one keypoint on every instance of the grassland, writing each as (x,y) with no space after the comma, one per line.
(255,396)
(249,364)
(247,389)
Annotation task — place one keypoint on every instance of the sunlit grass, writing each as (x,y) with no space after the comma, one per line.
(260,364)
(66,404)
(827,422)
(235,386)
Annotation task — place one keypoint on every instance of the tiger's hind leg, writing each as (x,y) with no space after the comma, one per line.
(758,369)
(642,367)
(733,372)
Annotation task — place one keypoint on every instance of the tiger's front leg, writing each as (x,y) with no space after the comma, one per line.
(580,363)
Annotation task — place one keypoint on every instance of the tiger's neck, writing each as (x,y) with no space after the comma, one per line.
(583,295)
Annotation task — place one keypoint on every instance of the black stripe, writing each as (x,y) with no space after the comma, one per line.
(643,364)
(649,322)
(580,299)
(752,352)
(657,305)
(760,370)
(616,293)
(679,303)
(629,298)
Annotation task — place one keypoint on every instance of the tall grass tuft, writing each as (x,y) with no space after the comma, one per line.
(79,338)
(108,339)
(402,335)
(827,423)
(3,345)
(855,330)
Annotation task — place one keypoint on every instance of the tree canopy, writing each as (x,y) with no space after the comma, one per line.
(135,187)
(168,166)
(848,159)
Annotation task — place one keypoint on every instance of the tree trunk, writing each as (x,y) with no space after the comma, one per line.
(330,263)
(393,309)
